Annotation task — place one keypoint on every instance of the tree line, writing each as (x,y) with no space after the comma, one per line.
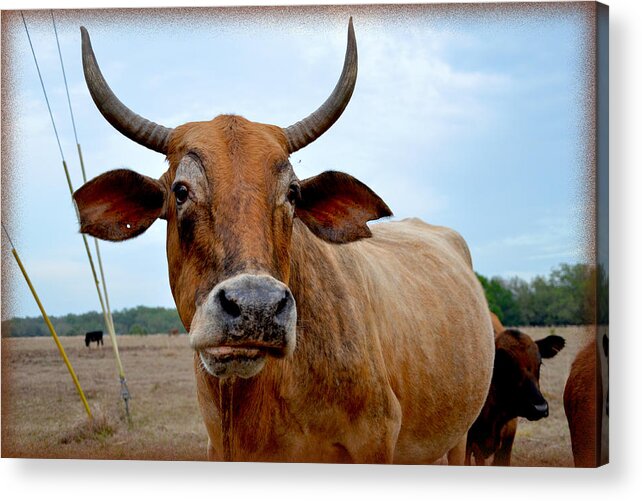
(572,294)
(139,320)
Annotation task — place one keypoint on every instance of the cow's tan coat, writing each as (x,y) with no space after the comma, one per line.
(394,352)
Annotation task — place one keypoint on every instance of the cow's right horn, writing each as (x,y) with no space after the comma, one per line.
(128,123)
(310,128)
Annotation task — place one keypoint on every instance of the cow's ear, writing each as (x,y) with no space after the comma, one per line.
(119,204)
(336,207)
(550,346)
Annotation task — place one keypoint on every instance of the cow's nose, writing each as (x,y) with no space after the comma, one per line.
(255,302)
(540,410)
(246,316)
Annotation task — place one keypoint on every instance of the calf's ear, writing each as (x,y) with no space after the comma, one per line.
(550,346)
(119,204)
(336,207)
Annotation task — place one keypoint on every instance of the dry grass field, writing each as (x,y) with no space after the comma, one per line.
(42,416)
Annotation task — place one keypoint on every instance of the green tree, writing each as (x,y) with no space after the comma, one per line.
(571,294)
(137,329)
(500,300)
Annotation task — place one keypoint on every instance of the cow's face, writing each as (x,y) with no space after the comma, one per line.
(230,198)
(516,374)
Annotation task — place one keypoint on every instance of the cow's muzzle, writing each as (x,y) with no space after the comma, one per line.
(537,411)
(242,321)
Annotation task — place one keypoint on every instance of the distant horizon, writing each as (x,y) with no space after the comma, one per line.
(173,306)
(90,312)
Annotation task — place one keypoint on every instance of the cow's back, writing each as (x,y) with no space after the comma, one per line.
(498,327)
(430,318)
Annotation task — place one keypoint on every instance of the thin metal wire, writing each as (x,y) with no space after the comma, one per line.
(82,168)
(8,236)
(107,317)
(53,123)
(64,76)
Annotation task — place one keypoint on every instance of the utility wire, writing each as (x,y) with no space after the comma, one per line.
(43,87)
(64,75)
(8,236)
(82,168)
(108,323)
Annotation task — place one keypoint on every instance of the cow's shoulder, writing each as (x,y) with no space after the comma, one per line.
(433,235)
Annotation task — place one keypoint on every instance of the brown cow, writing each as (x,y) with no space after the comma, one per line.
(586,404)
(498,327)
(315,337)
(514,391)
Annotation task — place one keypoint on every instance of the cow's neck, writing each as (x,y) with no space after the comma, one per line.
(492,418)
(321,291)
(320,283)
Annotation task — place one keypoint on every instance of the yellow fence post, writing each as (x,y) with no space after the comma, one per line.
(51,329)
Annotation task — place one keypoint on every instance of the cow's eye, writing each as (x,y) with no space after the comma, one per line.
(294,193)
(181,192)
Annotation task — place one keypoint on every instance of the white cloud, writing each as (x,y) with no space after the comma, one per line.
(546,239)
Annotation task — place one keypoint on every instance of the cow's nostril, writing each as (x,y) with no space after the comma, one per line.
(229,305)
(282,304)
(542,409)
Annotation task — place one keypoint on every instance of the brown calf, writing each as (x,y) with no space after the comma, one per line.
(514,391)
(315,337)
(586,404)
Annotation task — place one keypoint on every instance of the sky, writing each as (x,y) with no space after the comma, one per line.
(469,121)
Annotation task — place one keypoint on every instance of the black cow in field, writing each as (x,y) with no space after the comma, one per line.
(94,336)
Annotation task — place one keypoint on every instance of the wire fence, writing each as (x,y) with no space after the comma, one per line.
(103,296)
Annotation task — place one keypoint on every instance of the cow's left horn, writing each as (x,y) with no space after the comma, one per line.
(128,123)
(310,128)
